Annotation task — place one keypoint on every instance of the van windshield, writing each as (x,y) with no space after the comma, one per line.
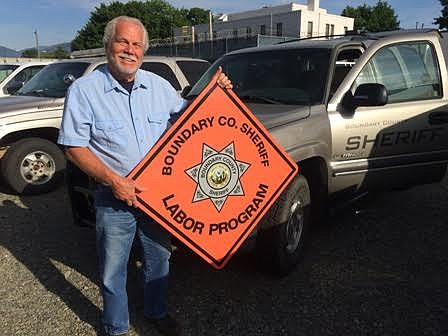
(53,80)
(6,70)
(284,76)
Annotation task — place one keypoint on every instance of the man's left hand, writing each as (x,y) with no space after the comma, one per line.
(222,80)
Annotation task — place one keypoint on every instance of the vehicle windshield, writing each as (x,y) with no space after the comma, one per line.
(6,70)
(53,80)
(285,76)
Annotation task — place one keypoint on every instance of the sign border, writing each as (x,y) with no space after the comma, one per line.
(231,95)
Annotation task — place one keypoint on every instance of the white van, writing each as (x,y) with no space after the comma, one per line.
(14,75)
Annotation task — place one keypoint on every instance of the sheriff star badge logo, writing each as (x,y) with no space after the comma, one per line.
(218,175)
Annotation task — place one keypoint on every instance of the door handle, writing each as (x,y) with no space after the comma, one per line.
(438,118)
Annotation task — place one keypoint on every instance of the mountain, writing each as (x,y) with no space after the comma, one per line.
(66,46)
(6,52)
(43,49)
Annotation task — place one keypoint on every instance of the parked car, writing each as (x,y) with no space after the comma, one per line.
(29,120)
(14,75)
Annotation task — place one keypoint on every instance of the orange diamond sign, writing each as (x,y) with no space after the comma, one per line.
(213,175)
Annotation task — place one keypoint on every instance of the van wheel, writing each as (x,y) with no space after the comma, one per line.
(33,166)
(283,244)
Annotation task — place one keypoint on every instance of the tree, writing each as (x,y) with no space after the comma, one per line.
(197,16)
(59,53)
(360,14)
(31,53)
(158,16)
(380,17)
(442,21)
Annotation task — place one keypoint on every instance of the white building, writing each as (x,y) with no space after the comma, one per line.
(291,20)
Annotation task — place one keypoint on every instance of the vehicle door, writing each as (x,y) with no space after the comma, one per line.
(403,142)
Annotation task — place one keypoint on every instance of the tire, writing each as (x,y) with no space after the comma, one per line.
(81,195)
(282,245)
(33,166)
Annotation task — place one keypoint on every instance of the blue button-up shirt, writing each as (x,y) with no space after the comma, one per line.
(118,127)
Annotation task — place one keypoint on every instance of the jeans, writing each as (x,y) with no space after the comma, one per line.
(116,225)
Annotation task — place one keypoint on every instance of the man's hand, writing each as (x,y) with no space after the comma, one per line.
(123,188)
(222,79)
(126,190)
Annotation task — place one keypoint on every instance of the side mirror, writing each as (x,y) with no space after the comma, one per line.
(186,90)
(13,87)
(371,94)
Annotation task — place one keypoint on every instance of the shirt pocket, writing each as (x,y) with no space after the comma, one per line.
(157,124)
(112,133)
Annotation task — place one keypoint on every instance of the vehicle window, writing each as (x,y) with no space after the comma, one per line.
(6,70)
(408,71)
(163,71)
(26,74)
(193,70)
(345,60)
(50,81)
(286,76)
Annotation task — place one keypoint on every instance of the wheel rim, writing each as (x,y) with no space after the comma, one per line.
(37,168)
(294,226)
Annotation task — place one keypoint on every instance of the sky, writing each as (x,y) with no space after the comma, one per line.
(57,21)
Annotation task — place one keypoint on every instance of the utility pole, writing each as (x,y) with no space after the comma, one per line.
(37,43)
(210,19)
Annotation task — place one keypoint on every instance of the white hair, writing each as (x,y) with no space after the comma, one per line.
(110,30)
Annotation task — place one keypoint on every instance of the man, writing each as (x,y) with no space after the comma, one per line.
(112,117)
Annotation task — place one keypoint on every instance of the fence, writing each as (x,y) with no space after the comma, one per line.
(209,50)
(212,49)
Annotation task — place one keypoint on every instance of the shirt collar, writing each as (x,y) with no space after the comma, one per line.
(111,83)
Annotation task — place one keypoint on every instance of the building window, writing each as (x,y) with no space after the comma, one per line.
(309,32)
(263,29)
(332,29)
(235,33)
(327,29)
(279,29)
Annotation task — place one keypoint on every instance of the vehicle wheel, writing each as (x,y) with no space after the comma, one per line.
(282,245)
(32,166)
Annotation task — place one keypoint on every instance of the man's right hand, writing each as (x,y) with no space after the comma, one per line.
(123,188)
(126,190)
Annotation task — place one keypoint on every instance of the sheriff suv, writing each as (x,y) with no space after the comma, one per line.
(31,162)
(358,114)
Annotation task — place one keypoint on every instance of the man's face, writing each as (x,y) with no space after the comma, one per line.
(126,50)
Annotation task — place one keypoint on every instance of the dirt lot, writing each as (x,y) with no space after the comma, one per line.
(378,268)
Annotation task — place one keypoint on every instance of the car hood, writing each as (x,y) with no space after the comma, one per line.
(18,104)
(276,115)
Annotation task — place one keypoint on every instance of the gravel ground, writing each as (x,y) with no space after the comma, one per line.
(379,268)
